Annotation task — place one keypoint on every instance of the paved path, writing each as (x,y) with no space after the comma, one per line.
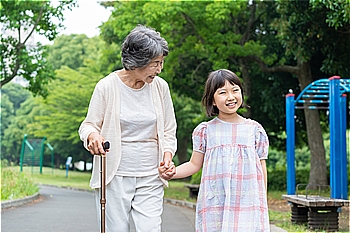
(67,210)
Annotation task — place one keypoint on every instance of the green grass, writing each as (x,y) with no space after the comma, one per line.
(282,220)
(178,191)
(57,177)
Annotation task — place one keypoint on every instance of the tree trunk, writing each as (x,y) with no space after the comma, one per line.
(182,144)
(314,134)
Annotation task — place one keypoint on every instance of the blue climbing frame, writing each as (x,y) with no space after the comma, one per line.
(322,94)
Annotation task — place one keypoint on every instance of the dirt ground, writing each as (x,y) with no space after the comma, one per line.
(283,206)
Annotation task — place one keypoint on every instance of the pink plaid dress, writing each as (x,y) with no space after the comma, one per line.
(232,194)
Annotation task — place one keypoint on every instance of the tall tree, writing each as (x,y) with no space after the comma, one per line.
(19,55)
(307,38)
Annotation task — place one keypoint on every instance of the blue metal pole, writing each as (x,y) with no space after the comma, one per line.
(290,130)
(343,158)
(334,122)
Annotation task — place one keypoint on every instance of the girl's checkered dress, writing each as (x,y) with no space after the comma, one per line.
(232,194)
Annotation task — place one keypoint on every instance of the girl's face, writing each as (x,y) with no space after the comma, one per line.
(146,74)
(228,99)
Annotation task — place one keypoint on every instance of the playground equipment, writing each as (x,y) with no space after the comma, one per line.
(321,93)
(32,153)
(319,212)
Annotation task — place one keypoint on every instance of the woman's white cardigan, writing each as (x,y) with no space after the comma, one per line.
(103,117)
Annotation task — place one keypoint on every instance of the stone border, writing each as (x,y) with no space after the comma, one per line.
(19,202)
(22,201)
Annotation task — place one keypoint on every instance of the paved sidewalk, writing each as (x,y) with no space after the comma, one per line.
(68,210)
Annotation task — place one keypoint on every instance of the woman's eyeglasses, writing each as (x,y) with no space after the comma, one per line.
(155,64)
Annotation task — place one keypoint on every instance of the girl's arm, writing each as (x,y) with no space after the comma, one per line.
(190,167)
(263,165)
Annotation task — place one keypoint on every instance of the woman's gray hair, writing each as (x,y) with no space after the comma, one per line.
(141,46)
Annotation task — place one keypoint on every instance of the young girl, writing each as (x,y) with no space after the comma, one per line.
(232,151)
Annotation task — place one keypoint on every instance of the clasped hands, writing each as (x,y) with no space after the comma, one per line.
(166,170)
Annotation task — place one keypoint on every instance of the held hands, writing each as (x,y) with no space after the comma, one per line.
(95,141)
(166,170)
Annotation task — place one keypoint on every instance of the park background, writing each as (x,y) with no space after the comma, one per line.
(275,47)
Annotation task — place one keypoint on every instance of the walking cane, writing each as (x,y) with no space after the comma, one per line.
(103,187)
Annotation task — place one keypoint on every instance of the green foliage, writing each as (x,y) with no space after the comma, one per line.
(201,37)
(7,113)
(16,94)
(322,42)
(73,50)
(338,12)
(277,178)
(196,177)
(272,115)
(20,20)
(188,115)
(14,100)
(65,108)
(15,185)
(277,159)
(68,99)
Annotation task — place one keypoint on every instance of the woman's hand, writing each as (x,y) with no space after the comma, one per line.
(95,141)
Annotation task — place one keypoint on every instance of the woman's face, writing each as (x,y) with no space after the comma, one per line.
(147,73)
(228,99)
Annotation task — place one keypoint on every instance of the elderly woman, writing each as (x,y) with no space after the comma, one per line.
(132,108)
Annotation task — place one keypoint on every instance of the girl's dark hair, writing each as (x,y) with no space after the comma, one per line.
(141,46)
(217,79)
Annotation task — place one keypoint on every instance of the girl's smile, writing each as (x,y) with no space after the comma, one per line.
(228,100)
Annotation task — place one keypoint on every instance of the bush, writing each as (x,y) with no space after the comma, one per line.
(15,185)
(277,178)
(4,163)
(196,178)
